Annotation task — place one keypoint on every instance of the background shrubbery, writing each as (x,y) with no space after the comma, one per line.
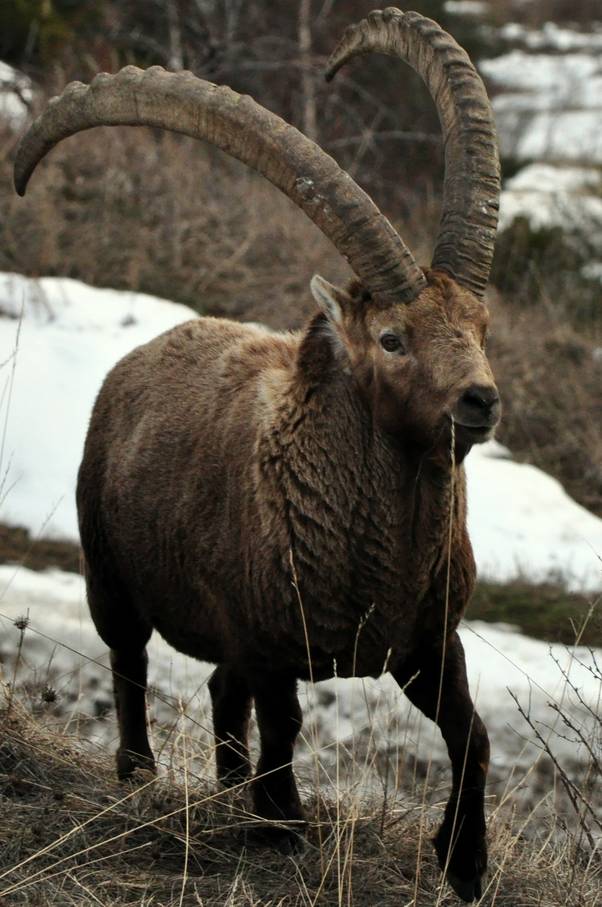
(142,210)
(164,215)
(147,211)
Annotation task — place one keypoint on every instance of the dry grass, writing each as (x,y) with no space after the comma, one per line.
(149,211)
(72,835)
(154,212)
(550,379)
(168,216)
(579,13)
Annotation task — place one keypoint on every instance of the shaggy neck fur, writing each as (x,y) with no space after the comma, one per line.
(367,516)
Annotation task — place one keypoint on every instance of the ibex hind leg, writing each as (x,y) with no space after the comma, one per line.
(231,702)
(126,634)
(275,793)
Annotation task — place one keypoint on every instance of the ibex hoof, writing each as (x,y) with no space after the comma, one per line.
(467,889)
(287,841)
(128,763)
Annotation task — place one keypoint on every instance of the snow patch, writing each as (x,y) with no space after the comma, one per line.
(549,105)
(593,271)
(69,337)
(71,334)
(61,648)
(466,7)
(523,523)
(547,195)
(15,96)
(552,37)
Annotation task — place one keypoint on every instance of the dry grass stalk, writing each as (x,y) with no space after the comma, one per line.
(69,828)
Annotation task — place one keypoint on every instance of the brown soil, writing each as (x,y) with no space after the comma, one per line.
(18,547)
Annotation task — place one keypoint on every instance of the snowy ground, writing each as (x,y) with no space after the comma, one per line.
(69,337)
(547,100)
(57,340)
(548,93)
(15,96)
(565,196)
(521,520)
(550,105)
(61,648)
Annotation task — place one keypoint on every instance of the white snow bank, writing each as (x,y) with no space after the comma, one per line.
(553,37)
(549,106)
(466,7)
(15,95)
(547,178)
(70,336)
(548,195)
(522,522)
(570,135)
(549,81)
(61,648)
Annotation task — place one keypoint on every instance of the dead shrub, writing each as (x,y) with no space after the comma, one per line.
(550,379)
(142,210)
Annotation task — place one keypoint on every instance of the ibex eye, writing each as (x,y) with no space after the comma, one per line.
(391,343)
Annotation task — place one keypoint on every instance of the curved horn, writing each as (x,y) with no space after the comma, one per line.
(183,103)
(464,247)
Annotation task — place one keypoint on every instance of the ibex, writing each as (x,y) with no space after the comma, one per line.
(254,496)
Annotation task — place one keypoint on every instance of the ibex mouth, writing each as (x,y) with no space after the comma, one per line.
(475,434)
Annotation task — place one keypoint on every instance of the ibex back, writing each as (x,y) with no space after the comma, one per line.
(284,504)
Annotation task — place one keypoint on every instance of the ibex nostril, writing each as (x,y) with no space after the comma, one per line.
(480,397)
(478,407)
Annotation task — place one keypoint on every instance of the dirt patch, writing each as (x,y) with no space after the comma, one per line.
(68,827)
(18,547)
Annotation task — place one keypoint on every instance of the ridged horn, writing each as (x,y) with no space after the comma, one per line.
(183,103)
(464,247)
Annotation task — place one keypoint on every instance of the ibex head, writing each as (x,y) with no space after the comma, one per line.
(421,366)
(414,340)
(418,354)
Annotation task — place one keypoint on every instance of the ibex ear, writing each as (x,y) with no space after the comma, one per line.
(329,298)
(322,347)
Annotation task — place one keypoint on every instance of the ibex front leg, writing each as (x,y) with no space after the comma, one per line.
(460,842)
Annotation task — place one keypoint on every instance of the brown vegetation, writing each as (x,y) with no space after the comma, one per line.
(71,835)
(17,547)
(550,376)
(164,215)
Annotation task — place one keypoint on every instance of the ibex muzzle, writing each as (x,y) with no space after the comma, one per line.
(478,409)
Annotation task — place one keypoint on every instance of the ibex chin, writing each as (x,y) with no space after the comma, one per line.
(254,496)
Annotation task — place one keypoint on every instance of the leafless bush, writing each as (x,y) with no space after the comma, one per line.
(575,721)
(133,209)
(536,12)
(165,216)
(550,379)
